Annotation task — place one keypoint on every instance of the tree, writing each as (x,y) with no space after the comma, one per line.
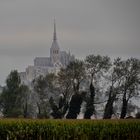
(58,110)
(65,88)
(65,83)
(75,105)
(76,72)
(95,66)
(69,80)
(131,81)
(12,95)
(45,88)
(26,105)
(40,89)
(90,109)
(115,78)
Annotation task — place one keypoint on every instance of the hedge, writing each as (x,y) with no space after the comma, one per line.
(26,129)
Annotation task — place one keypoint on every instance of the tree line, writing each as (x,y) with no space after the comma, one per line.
(96,87)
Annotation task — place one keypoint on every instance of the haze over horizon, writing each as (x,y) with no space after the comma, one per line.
(83,26)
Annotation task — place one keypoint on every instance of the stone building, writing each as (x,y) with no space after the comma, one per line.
(45,65)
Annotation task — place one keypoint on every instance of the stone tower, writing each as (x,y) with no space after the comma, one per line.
(55,50)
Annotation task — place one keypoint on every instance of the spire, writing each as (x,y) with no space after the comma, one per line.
(54,34)
(54,43)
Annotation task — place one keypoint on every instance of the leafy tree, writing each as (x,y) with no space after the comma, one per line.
(69,80)
(65,83)
(40,88)
(95,66)
(75,105)
(76,72)
(65,88)
(12,96)
(130,69)
(51,83)
(45,88)
(115,79)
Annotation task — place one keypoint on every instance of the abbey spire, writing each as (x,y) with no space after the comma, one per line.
(54,43)
(54,33)
(55,50)
(44,65)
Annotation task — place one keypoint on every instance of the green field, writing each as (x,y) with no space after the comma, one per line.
(21,129)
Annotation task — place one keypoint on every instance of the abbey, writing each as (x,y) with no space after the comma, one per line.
(45,65)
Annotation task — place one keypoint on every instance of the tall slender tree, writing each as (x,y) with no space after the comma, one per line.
(95,67)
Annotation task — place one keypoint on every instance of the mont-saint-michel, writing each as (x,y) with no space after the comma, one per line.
(74,79)
(44,65)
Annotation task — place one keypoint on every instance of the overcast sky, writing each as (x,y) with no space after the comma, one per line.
(106,27)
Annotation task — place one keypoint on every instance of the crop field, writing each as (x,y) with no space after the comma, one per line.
(32,129)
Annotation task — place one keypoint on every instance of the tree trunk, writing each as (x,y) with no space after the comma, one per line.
(124,108)
(109,106)
(75,106)
(26,110)
(39,111)
(90,108)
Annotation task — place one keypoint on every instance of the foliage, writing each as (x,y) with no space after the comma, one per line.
(74,107)
(69,81)
(12,96)
(114,79)
(90,109)
(103,82)
(76,72)
(138,115)
(40,88)
(69,129)
(131,81)
(96,66)
(59,109)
